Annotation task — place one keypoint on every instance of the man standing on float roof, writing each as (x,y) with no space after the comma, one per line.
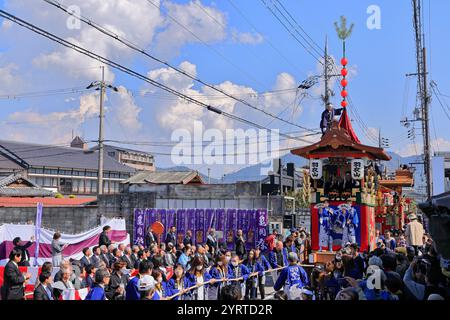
(328,115)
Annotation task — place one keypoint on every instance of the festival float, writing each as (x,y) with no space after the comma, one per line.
(344,184)
(392,206)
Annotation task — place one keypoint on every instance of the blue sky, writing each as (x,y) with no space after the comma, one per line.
(379,60)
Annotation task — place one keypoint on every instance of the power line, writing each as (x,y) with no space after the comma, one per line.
(352,108)
(290,32)
(144,52)
(206,44)
(44,93)
(433,87)
(133,73)
(266,39)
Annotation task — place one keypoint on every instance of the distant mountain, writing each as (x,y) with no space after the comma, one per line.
(260,171)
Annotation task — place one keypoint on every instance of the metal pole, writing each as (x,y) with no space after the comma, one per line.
(327,97)
(100,136)
(379,137)
(209,175)
(426,137)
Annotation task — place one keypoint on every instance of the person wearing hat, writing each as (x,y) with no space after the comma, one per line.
(327,117)
(292,279)
(414,232)
(374,286)
(146,286)
(132,291)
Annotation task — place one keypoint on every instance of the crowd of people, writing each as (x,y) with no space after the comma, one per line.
(399,268)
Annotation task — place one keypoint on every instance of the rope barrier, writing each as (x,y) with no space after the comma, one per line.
(213,281)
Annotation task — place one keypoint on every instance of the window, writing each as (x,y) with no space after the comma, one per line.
(39,181)
(37,170)
(47,182)
(91,173)
(94,186)
(106,186)
(65,172)
(111,154)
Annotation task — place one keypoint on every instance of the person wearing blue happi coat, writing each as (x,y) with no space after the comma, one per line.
(292,276)
(197,275)
(219,271)
(264,265)
(351,224)
(325,227)
(236,271)
(132,291)
(252,282)
(177,283)
(97,292)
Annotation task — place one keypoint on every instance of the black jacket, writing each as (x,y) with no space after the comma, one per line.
(187,240)
(85,262)
(171,238)
(104,239)
(327,117)
(114,283)
(149,239)
(24,261)
(128,260)
(240,246)
(13,281)
(41,294)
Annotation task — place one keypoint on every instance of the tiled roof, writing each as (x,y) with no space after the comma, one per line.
(55,156)
(29,189)
(47,202)
(164,177)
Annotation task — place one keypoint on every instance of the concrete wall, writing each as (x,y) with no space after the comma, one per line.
(79,219)
(63,219)
(200,191)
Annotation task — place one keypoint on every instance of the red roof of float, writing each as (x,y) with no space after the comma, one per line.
(47,202)
(340,141)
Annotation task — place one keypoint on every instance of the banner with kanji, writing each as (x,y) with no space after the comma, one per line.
(226,222)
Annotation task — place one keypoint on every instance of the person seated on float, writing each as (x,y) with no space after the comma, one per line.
(328,116)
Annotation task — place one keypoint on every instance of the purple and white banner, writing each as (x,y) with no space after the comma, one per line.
(226,222)
(261,227)
(139,226)
(76,241)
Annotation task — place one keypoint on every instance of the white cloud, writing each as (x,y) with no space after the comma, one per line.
(208,27)
(127,112)
(52,127)
(411,149)
(247,37)
(9,78)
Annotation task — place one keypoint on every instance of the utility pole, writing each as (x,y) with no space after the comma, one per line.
(100,135)
(326,98)
(101,86)
(426,130)
(422,91)
(327,68)
(379,137)
(209,175)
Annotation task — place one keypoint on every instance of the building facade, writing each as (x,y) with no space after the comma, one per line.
(67,170)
